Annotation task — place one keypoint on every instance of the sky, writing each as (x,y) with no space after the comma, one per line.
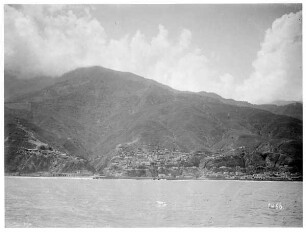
(248,52)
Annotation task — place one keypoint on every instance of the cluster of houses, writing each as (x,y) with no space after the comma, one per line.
(154,162)
(147,158)
(239,175)
(163,163)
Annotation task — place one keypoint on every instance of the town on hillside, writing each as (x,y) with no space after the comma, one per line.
(162,163)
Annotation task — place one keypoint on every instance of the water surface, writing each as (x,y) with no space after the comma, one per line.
(64,202)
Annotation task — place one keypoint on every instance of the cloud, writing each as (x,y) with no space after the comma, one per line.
(54,39)
(51,40)
(42,40)
(278,66)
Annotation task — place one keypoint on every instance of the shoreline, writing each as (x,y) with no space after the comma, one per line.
(146,178)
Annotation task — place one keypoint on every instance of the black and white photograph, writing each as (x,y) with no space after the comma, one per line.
(176,115)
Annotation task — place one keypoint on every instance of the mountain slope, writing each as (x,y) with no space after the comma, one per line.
(27,149)
(14,86)
(294,110)
(291,109)
(92,111)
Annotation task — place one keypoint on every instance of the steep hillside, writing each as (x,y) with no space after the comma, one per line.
(91,111)
(283,103)
(294,110)
(27,150)
(14,86)
(291,109)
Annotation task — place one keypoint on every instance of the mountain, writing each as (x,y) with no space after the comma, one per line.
(288,108)
(14,86)
(283,102)
(294,110)
(96,114)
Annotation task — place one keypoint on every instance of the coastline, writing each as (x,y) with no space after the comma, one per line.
(146,178)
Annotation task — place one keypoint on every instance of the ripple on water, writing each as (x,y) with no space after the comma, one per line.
(38,202)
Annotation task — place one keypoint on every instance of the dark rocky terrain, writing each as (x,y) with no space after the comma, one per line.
(88,113)
(27,150)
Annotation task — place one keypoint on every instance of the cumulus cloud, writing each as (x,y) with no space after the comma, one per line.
(51,40)
(278,66)
(42,40)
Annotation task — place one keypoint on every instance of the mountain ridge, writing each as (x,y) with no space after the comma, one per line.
(17,88)
(90,111)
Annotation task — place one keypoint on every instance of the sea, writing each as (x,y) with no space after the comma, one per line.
(125,203)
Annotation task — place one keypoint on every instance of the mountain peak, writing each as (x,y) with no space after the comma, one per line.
(89,111)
